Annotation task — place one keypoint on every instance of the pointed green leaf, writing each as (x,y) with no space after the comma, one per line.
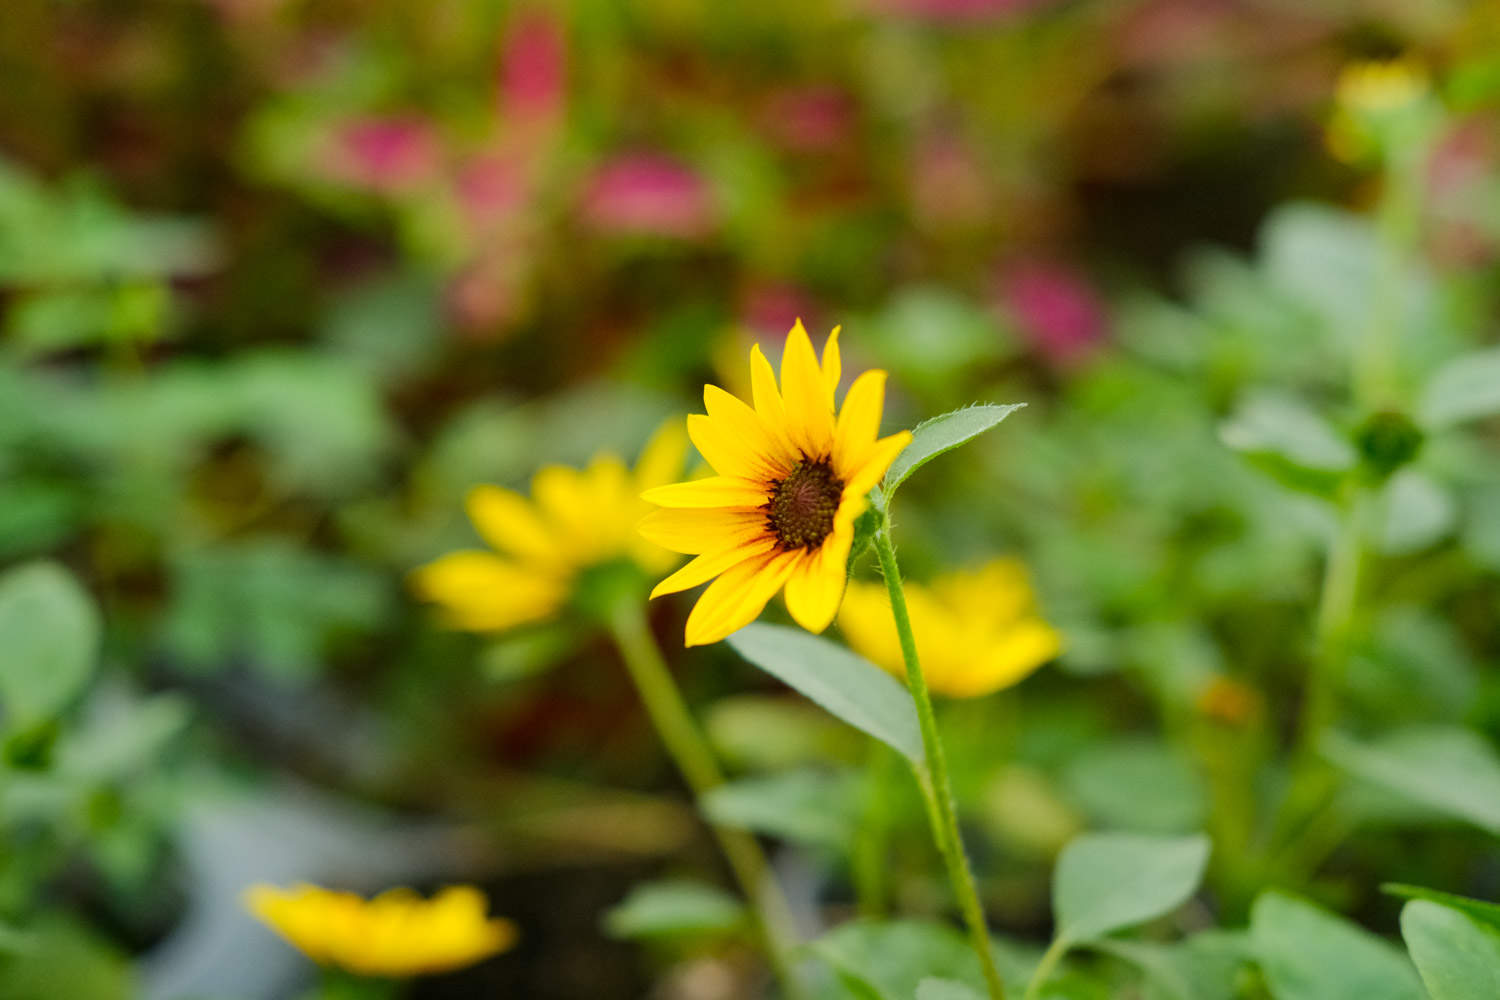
(1466,388)
(1447,768)
(944,433)
(1106,882)
(814,807)
(1309,954)
(890,959)
(49,631)
(850,687)
(1457,958)
(1478,909)
(674,908)
(945,989)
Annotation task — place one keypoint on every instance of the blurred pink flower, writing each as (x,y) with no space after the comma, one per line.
(388,154)
(950,186)
(648,194)
(957,10)
(533,68)
(810,118)
(770,309)
(490,188)
(1055,308)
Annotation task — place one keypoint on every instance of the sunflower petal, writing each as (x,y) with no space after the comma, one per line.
(737,597)
(692,531)
(809,411)
(833,365)
(774,455)
(709,565)
(814,589)
(769,405)
(509,522)
(859,422)
(661,460)
(481,592)
(715,491)
(880,458)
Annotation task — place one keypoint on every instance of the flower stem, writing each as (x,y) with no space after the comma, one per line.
(1043,971)
(674,724)
(935,782)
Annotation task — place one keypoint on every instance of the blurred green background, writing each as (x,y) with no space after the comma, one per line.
(281,279)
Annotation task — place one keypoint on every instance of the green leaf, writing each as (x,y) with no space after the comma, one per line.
(62,958)
(1138,786)
(889,959)
(1457,958)
(1106,882)
(1289,442)
(851,688)
(1447,768)
(49,631)
(943,433)
(674,908)
(1203,967)
(1308,954)
(1416,513)
(945,989)
(814,807)
(1466,388)
(1484,912)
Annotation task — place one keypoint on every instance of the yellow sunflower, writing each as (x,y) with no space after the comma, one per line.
(977,631)
(574,520)
(398,934)
(792,475)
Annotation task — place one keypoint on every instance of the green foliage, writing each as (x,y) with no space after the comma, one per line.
(50,633)
(847,686)
(1458,958)
(1309,954)
(932,438)
(810,807)
(675,909)
(888,960)
(1448,769)
(1106,882)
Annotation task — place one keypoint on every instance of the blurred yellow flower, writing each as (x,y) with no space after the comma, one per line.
(793,474)
(977,631)
(1367,95)
(398,934)
(575,519)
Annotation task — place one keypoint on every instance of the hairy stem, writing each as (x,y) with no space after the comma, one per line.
(935,781)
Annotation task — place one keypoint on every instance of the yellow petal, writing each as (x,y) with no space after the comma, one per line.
(715,491)
(702,530)
(481,592)
(809,411)
(875,465)
(661,460)
(737,597)
(859,421)
(833,365)
(740,420)
(1004,663)
(733,450)
(815,587)
(509,522)
(709,565)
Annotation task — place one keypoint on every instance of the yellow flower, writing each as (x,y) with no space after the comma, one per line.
(575,519)
(1369,96)
(398,934)
(977,631)
(793,474)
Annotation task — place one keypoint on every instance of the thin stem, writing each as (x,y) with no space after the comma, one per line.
(936,784)
(674,724)
(1043,972)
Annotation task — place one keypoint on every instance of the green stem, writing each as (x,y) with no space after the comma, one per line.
(674,724)
(936,783)
(1050,958)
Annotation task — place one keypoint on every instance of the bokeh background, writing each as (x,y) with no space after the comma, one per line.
(281,279)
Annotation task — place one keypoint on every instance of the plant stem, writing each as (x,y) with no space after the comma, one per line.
(1043,972)
(688,748)
(935,781)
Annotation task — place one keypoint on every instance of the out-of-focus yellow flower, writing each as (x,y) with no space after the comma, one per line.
(398,934)
(1224,699)
(977,631)
(1368,96)
(793,474)
(575,519)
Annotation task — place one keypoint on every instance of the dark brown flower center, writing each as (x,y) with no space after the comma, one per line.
(800,511)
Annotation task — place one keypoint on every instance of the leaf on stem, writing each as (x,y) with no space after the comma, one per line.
(931,438)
